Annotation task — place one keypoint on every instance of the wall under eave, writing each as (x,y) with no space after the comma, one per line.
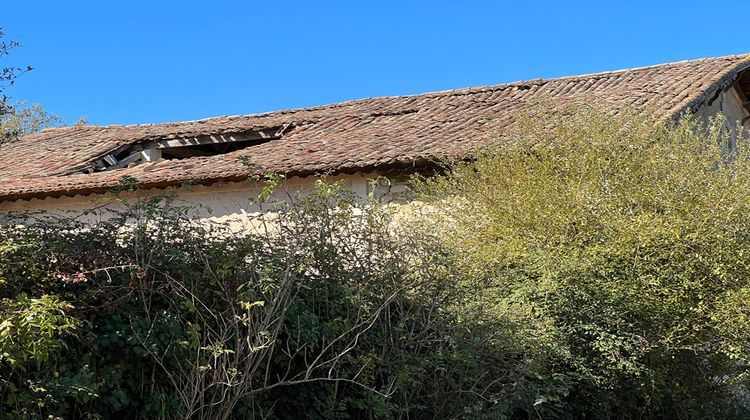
(729,103)
(221,202)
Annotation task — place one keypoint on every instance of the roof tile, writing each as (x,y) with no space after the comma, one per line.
(356,135)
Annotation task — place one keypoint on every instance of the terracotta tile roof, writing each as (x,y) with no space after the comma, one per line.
(358,135)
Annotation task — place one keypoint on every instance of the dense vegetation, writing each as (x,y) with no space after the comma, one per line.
(596,266)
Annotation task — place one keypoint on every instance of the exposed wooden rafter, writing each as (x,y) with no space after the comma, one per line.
(212,139)
(743,89)
(184,147)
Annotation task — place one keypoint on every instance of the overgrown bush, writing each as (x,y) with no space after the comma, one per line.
(595,266)
(625,238)
(324,309)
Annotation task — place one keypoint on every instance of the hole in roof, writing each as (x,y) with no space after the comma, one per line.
(184,148)
(743,85)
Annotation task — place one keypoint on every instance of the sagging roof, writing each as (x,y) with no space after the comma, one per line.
(361,135)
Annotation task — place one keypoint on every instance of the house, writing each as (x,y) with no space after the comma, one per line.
(72,168)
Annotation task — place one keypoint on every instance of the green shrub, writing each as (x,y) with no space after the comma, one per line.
(30,328)
(595,266)
(334,313)
(625,238)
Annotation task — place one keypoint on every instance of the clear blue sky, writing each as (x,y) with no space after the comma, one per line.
(153,61)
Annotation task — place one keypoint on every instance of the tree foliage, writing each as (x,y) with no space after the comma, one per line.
(8,74)
(26,119)
(19,119)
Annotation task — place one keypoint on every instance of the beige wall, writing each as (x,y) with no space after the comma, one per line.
(729,103)
(225,202)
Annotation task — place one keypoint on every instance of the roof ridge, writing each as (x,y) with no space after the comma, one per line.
(586,76)
(458,91)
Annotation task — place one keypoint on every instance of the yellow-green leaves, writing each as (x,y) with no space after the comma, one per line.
(624,236)
(32,329)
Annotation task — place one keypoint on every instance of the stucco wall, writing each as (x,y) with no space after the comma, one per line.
(223,202)
(729,103)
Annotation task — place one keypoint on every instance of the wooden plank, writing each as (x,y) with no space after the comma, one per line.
(185,152)
(110,159)
(125,162)
(144,152)
(212,139)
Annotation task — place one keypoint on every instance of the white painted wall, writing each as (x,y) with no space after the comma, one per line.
(228,203)
(730,104)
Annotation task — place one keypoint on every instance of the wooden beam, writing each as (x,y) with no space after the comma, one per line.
(151,151)
(212,139)
(125,162)
(184,153)
(743,98)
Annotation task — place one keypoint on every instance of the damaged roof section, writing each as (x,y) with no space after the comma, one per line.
(130,155)
(363,135)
